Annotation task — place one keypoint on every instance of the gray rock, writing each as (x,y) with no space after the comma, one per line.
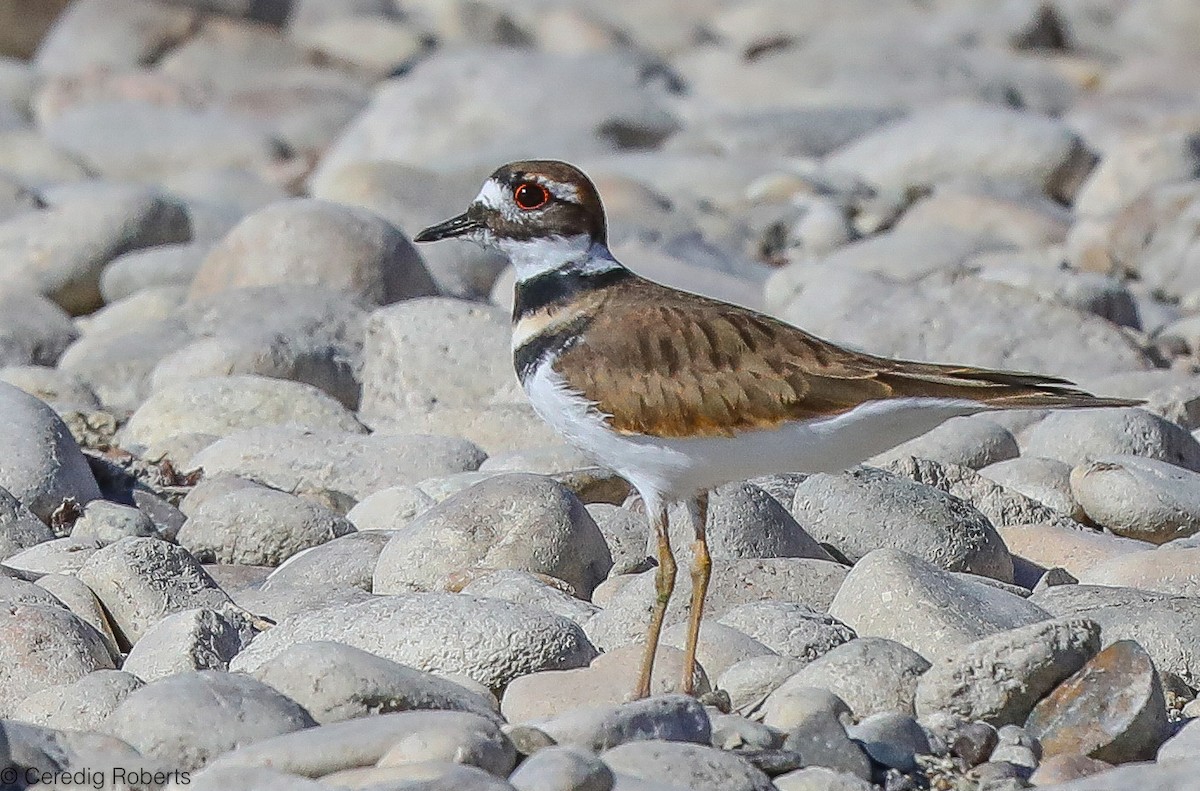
(966,441)
(789,629)
(201,639)
(1080,599)
(818,778)
(258,526)
(389,509)
(1079,437)
(1112,709)
(59,389)
(868,509)
(751,680)
(250,779)
(80,705)
(998,679)
(336,682)
(625,534)
(221,406)
(348,560)
(61,250)
(294,460)
(104,523)
(60,556)
(19,528)
(955,141)
(1182,745)
(113,34)
(478,743)
(526,588)
(562,769)
(47,750)
(33,330)
(44,645)
(1168,570)
(323,750)
(1047,481)
(117,364)
(891,739)
(490,641)
(671,718)
(279,602)
(467,363)
(150,304)
(733,732)
(1016,747)
(718,648)
(821,740)
(903,598)
(871,675)
(542,528)
(161,265)
(79,599)
(1172,776)
(1140,498)
(734,582)
(187,719)
(497,428)
(139,580)
(42,464)
(692,766)
(314,242)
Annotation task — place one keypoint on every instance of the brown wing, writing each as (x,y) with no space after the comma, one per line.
(670,364)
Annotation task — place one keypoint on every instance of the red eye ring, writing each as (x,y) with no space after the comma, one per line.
(530,195)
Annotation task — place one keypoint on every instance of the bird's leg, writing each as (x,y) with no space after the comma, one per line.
(701,571)
(664,583)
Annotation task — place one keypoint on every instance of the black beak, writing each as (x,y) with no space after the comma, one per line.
(455,226)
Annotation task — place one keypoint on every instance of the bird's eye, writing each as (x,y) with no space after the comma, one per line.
(530,195)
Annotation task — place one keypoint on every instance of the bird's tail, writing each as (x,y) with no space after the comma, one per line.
(1000,389)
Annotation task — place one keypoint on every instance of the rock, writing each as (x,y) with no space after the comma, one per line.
(625,534)
(45,752)
(893,671)
(258,526)
(187,719)
(969,442)
(1088,435)
(789,629)
(80,705)
(898,596)
(59,389)
(497,428)
(542,528)
(117,364)
(221,406)
(19,528)
(139,580)
(818,778)
(111,33)
(316,243)
(106,523)
(998,679)
(1181,746)
(1133,163)
(1074,549)
(690,765)
(201,639)
(1140,498)
(1112,709)
(250,779)
(671,718)
(1063,768)
(1045,480)
(526,588)
(467,363)
(490,641)
(61,250)
(734,732)
(60,556)
(867,509)
(821,740)
(718,648)
(743,522)
(295,460)
(752,680)
(389,509)
(34,330)
(961,141)
(347,560)
(42,464)
(734,582)
(1167,570)
(562,769)
(1003,507)
(891,739)
(607,681)
(474,90)
(44,645)
(161,265)
(336,682)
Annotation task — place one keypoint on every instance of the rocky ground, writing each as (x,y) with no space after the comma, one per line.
(275,513)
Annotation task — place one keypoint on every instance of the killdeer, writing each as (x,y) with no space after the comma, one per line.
(679,393)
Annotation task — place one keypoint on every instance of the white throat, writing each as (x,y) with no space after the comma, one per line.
(534,257)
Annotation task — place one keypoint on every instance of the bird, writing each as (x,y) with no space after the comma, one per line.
(679,393)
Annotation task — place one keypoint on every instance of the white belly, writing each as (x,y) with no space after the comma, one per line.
(675,468)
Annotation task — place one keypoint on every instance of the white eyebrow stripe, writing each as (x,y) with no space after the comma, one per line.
(566,192)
